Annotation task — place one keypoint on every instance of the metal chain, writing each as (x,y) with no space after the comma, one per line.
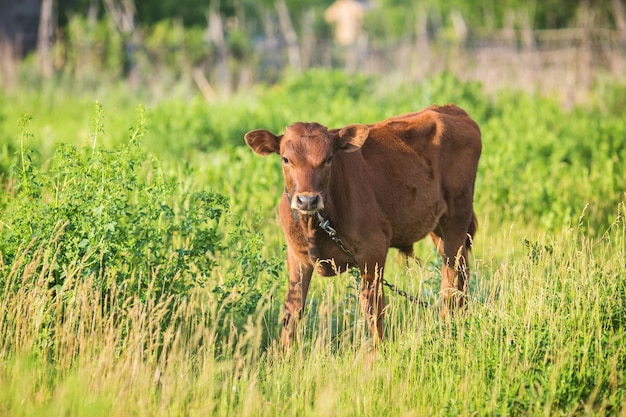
(332,233)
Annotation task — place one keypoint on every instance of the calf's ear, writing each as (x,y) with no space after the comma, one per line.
(352,137)
(263,142)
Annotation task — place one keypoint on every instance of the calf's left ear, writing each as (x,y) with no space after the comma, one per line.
(352,137)
(263,142)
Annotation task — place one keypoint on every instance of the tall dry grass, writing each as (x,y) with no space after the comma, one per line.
(544,335)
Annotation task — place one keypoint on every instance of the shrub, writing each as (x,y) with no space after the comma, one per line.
(115,218)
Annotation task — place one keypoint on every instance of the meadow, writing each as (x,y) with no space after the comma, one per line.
(142,264)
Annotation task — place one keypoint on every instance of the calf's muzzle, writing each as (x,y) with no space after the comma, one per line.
(307,202)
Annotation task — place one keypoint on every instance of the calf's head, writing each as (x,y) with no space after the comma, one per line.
(307,151)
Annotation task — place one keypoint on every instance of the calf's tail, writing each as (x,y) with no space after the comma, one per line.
(471,231)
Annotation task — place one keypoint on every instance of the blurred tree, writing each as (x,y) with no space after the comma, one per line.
(492,14)
(19,23)
(487,14)
(251,35)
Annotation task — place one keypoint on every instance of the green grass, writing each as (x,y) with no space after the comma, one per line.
(544,334)
(169,302)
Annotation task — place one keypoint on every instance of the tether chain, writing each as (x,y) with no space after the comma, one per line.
(332,233)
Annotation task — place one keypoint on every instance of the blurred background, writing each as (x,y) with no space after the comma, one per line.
(217,48)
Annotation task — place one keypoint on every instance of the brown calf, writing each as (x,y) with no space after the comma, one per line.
(388,184)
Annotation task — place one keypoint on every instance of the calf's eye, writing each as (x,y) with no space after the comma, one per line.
(329,160)
(285,161)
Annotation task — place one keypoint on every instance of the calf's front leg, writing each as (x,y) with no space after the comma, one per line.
(299,280)
(373,300)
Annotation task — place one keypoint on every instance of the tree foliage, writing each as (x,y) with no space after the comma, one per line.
(548,14)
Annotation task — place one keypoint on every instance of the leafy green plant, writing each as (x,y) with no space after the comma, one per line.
(116,219)
(112,218)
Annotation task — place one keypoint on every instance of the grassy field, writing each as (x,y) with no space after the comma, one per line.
(141,262)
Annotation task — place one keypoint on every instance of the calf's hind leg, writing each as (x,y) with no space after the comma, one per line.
(451,239)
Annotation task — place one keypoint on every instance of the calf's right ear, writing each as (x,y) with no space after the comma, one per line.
(263,142)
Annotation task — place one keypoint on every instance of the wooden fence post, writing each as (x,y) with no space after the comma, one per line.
(293,51)
(44,38)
